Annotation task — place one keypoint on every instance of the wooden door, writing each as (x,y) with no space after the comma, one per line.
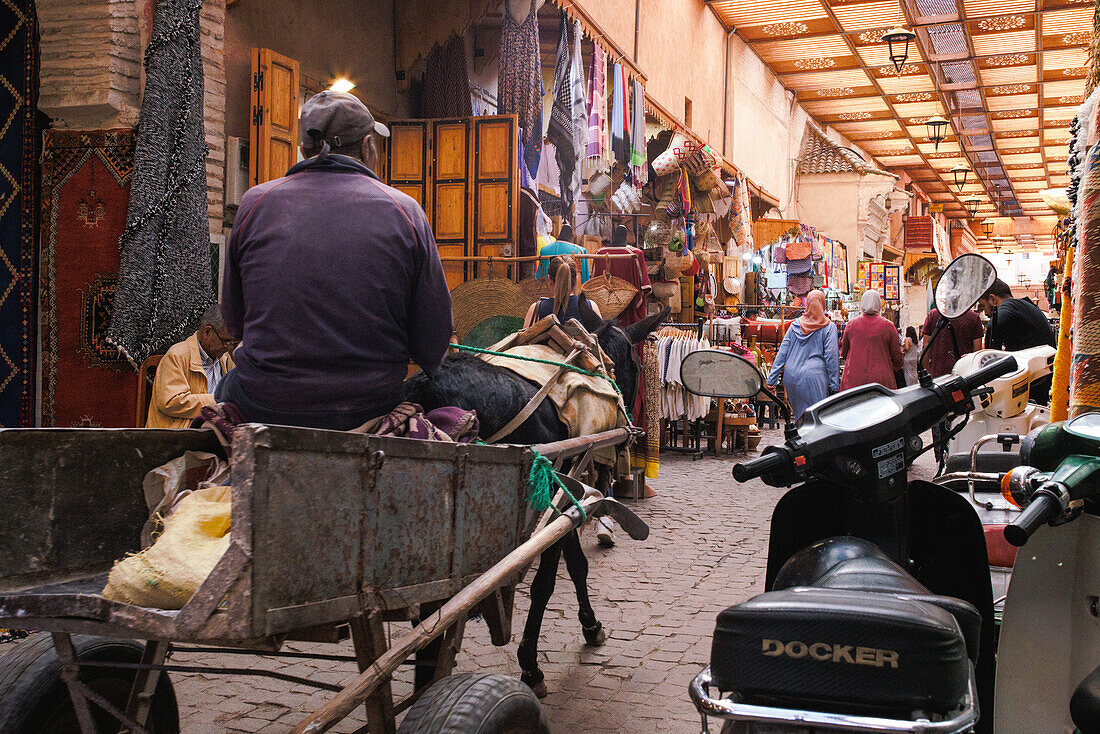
(450,201)
(495,197)
(273,137)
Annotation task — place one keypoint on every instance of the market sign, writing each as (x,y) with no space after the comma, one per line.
(936,207)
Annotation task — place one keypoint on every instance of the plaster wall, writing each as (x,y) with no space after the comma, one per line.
(682,48)
(335,38)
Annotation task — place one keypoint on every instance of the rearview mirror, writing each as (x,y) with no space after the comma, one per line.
(717,374)
(963,282)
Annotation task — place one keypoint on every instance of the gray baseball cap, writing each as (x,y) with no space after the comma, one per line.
(338,118)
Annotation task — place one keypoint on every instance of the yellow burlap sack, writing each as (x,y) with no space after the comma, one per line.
(166,574)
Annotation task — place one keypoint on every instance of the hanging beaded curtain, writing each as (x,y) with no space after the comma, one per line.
(165,275)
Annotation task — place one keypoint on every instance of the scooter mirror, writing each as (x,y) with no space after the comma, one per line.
(717,374)
(1085,426)
(963,282)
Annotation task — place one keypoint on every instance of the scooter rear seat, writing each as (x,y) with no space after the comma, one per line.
(887,654)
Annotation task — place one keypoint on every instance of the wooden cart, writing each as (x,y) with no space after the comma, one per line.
(332,533)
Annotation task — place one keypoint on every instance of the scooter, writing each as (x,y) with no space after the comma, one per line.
(1049,644)
(878,610)
(1001,410)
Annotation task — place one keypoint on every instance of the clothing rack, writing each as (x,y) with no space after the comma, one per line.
(669,424)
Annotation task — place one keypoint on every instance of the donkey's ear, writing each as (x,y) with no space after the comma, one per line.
(639,330)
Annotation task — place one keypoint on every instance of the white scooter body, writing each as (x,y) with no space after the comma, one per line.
(1050,636)
(1007,409)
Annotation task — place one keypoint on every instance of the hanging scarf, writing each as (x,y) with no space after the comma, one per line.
(598,144)
(639,166)
(567,113)
(815,317)
(520,88)
(620,145)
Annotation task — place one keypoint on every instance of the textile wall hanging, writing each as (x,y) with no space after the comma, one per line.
(85,189)
(164,279)
(446,91)
(1085,373)
(18,158)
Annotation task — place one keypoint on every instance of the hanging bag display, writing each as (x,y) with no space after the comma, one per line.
(679,150)
(777,279)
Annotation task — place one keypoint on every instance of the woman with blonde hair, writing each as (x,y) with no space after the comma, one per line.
(808,357)
(566,301)
(871,347)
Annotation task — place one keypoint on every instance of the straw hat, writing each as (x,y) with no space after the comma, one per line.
(481,299)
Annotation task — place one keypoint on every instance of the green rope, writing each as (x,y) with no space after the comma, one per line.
(573,367)
(542,481)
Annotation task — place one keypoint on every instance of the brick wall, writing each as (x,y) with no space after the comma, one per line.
(91,62)
(91,73)
(212,26)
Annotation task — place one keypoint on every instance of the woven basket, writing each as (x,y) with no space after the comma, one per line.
(611,294)
(484,298)
(536,288)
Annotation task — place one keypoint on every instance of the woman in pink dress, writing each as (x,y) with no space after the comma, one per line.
(871,347)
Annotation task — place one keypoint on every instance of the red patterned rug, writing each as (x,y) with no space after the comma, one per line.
(85,191)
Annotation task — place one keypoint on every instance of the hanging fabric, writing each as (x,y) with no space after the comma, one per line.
(568,129)
(520,87)
(446,86)
(620,145)
(639,166)
(598,144)
(164,281)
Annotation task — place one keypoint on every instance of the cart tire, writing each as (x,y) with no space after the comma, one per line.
(34,699)
(476,703)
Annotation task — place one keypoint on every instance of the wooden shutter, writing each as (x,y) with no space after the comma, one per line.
(450,199)
(407,159)
(463,172)
(495,197)
(273,138)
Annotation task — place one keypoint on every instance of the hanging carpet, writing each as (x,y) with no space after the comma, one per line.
(18,157)
(446,83)
(165,278)
(85,189)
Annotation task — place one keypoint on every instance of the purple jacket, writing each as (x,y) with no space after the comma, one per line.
(333,283)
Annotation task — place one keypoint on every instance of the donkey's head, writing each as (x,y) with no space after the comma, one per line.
(618,343)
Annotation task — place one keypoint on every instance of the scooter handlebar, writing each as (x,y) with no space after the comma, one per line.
(754,468)
(1044,508)
(990,372)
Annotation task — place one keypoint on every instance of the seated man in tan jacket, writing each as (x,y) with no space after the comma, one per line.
(189,372)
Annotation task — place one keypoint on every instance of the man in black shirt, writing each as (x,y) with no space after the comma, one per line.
(1015,324)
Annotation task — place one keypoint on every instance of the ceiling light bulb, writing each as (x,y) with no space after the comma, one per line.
(342,85)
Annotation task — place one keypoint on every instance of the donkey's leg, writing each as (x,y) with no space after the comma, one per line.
(577,565)
(542,588)
(605,526)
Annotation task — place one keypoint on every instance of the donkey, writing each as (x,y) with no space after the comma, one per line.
(498,394)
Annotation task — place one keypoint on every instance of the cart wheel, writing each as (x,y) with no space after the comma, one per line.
(34,699)
(475,703)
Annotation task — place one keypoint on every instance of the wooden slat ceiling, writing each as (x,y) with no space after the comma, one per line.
(1007,74)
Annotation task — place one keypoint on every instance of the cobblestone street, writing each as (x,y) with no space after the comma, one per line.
(658,600)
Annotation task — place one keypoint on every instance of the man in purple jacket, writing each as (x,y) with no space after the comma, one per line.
(332,282)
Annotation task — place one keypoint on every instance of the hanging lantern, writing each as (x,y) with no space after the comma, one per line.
(960,173)
(898,40)
(987,227)
(936,129)
(972,206)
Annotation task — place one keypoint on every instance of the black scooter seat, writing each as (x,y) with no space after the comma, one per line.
(848,629)
(837,649)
